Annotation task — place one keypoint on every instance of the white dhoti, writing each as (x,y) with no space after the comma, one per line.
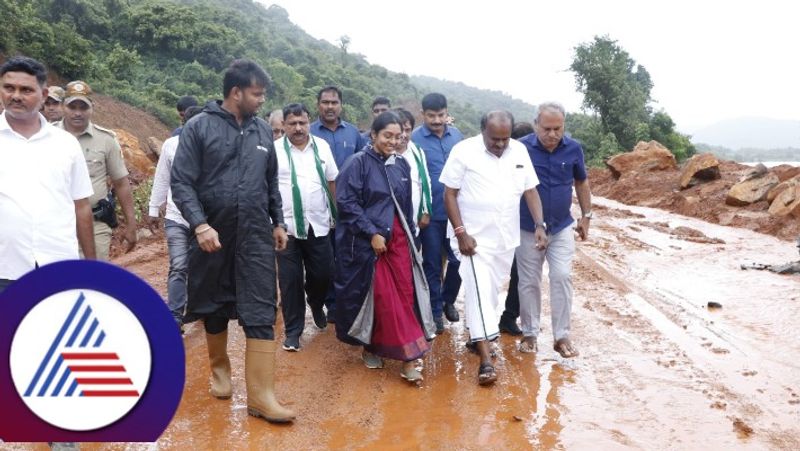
(489,191)
(483,276)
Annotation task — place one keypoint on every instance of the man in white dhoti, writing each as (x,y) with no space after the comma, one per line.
(484,178)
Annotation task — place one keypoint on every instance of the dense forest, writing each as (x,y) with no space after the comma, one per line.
(149,53)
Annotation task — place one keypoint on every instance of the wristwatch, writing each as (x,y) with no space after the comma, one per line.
(588,215)
(543,226)
(282,225)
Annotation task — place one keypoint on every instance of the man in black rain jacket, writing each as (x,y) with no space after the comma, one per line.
(224,181)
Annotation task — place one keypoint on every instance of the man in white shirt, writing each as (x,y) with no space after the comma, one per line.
(175,227)
(44,182)
(275,120)
(484,178)
(306,174)
(420,178)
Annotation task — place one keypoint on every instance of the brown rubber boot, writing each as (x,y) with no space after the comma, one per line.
(220,365)
(260,375)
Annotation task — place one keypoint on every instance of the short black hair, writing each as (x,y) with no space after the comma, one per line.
(25,64)
(191,112)
(185,102)
(521,129)
(434,102)
(243,73)
(381,100)
(295,109)
(329,88)
(496,113)
(384,120)
(405,115)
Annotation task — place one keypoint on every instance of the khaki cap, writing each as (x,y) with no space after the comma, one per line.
(56,93)
(78,90)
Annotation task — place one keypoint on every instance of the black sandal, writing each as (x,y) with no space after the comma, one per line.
(486,374)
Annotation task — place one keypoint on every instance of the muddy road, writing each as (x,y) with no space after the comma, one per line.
(658,369)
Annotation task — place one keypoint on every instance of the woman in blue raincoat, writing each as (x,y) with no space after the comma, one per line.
(381,294)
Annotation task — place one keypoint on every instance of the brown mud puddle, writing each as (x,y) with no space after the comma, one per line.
(657,368)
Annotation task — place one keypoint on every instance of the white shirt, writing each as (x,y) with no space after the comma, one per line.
(411,153)
(161,191)
(315,202)
(40,179)
(489,190)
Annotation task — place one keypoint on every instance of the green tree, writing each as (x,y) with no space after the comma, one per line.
(662,129)
(614,86)
(123,62)
(618,89)
(344,44)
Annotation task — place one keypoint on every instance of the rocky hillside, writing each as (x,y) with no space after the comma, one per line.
(722,192)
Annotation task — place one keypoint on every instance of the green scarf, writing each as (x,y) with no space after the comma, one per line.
(425,205)
(297,199)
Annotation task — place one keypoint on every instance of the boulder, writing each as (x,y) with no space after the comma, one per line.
(786,203)
(644,157)
(136,159)
(755,172)
(154,148)
(785,171)
(753,188)
(780,187)
(699,168)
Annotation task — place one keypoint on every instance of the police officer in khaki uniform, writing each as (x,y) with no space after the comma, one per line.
(104,159)
(53,110)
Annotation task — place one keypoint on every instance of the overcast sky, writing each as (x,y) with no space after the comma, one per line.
(709,60)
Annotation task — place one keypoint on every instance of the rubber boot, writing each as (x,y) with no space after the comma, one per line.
(260,375)
(220,365)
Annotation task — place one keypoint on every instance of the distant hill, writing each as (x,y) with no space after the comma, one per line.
(149,53)
(746,154)
(482,100)
(751,132)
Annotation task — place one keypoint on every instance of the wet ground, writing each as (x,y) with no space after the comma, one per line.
(658,369)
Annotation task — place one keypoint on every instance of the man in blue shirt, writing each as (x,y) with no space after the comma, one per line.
(342,136)
(436,138)
(344,140)
(558,161)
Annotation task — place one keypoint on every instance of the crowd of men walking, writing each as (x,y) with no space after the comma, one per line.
(376,231)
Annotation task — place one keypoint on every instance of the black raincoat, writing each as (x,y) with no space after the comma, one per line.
(227,176)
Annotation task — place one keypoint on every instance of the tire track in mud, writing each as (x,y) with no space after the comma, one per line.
(680,341)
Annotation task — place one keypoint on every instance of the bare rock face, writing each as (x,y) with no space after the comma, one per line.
(699,168)
(786,203)
(780,187)
(644,157)
(136,159)
(753,188)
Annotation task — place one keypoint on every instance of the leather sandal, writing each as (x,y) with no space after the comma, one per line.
(486,374)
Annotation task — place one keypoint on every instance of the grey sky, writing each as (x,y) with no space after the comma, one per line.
(709,60)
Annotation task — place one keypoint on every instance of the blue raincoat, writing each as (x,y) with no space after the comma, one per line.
(370,189)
